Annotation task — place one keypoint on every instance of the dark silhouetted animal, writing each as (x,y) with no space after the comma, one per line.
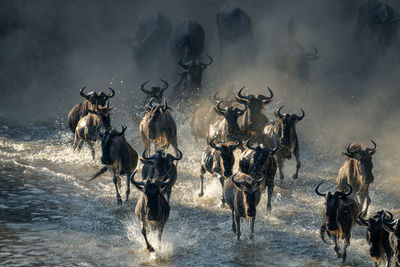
(160,166)
(155,92)
(357,172)
(92,100)
(394,229)
(152,209)
(118,157)
(263,158)
(283,131)
(377,237)
(218,160)
(340,213)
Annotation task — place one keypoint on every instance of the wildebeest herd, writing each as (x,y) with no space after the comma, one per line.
(226,126)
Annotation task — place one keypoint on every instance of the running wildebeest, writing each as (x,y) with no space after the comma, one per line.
(89,125)
(160,166)
(155,92)
(377,237)
(253,121)
(92,100)
(218,160)
(340,213)
(242,193)
(393,228)
(158,127)
(381,19)
(149,44)
(226,128)
(260,161)
(152,209)
(357,172)
(118,157)
(283,131)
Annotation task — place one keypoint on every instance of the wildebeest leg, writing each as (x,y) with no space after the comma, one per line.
(168,191)
(336,247)
(346,244)
(364,201)
(298,164)
(280,167)
(128,187)
(252,220)
(233,223)
(80,144)
(115,180)
(174,145)
(222,180)
(237,218)
(149,247)
(202,172)
(76,141)
(91,148)
(389,253)
(270,191)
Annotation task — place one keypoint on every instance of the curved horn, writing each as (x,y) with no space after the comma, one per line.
(169,156)
(211,143)
(362,220)
(215,97)
(238,141)
(238,184)
(144,89)
(240,94)
(148,158)
(248,144)
(299,118)
(123,129)
(371,150)
(317,192)
(181,63)
(82,93)
(165,85)
(241,111)
(112,93)
(314,53)
(151,102)
(350,191)
(273,151)
(256,182)
(279,112)
(210,59)
(137,184)
(221,109)
(388,219)
(267,99)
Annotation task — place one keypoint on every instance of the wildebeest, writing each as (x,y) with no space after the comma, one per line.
(160,166)
(158,127)
(377,237)
(340,213)
(118,157)
(191,76)
(394,229)
(89,125)
(155,92)
(260,161)
(381,20)
(227,128)
(152,209)
(294,59)
(242,193)
(92,100)
(218,160)
(357,172)
(283,131)
(253,120)
(149,44)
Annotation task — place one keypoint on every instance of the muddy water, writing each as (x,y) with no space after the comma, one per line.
(52,216)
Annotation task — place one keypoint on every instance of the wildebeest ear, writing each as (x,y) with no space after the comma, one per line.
(147,162)
(348,155)
(219,112)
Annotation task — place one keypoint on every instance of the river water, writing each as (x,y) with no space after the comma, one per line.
(51,215)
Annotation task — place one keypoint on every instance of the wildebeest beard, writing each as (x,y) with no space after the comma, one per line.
(152,193)
(105,147)
(332,203)
(227,160)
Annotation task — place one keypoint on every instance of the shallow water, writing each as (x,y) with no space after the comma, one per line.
(51,215)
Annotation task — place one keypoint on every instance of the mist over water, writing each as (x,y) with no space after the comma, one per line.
(51,214)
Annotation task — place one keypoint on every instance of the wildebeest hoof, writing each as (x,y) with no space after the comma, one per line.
(269,208)
(251,236)
(338,255)
(119,201)
(295,176)
(234,228)
(150,248)
(201,194)
(281,177)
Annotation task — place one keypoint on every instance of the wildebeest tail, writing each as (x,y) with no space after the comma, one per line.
(103,170)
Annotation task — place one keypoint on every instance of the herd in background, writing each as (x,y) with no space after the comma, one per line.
(264,144)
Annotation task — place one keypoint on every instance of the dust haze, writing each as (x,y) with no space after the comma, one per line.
(51,49)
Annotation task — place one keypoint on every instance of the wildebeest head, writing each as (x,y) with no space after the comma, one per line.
(231,115)
(104,114)
(226,150)
(161,161)
(288,125)
(254,104)
(248,191)
(106,143)
(375,230)
(99,99)
(155,91)
(332,202)
(156,110)
(394,228)
(151,192)
(261,153)
(193,69)
(364,156)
